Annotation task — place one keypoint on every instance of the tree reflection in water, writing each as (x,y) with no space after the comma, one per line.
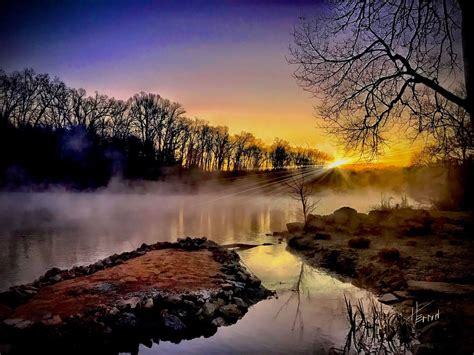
(299,288)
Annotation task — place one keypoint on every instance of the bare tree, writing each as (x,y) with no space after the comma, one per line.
(374,64)
(302,189)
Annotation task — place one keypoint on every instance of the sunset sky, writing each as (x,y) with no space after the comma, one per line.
(223,60)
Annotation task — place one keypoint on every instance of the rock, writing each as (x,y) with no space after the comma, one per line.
(239,302)
(439,287)
(56,278)
(148,303)
(172,322)
(242,276)
(218,322)
(403,294)
(113,311)
(131,302)
(315,223)
(346,216)
(173,300)
(55,320)
(52,272)
(18,323)
(208,309)
(226,286)
(388,298)
(439,254)
(13,321)
(295,227)
(126,320)
(230,311)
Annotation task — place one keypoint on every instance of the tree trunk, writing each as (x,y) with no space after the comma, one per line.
(467,32)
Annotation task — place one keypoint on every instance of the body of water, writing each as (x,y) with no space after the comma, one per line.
(42,230)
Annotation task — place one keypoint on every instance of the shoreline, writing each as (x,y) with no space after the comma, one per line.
(409,258)
(163,291)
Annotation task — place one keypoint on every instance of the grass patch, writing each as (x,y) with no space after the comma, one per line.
(359,243)
(389,254)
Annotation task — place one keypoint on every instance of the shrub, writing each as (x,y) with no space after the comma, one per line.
(359,243)
(322,236)
(389,254)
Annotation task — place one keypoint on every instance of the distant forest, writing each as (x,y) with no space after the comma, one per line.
(53,134)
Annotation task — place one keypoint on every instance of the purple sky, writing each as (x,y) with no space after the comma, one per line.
(223,60)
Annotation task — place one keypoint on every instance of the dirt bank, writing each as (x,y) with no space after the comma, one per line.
(406,256)
(169,291)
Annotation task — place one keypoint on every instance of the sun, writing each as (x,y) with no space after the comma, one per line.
(336,163)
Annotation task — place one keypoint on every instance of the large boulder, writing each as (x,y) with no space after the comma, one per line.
(346,217)
(315,223)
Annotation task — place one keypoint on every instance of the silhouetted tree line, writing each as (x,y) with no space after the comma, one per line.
(50,133)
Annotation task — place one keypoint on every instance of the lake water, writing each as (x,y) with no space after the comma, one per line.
(42,230)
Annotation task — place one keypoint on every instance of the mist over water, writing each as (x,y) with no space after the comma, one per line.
(59,228)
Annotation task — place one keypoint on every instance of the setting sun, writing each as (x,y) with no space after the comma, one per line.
(337,162)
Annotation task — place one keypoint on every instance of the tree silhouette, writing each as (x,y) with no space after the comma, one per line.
(374,64)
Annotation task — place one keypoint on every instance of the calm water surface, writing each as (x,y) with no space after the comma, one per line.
(42,230)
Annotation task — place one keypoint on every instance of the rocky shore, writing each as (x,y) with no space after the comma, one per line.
(408,257)
(163,291)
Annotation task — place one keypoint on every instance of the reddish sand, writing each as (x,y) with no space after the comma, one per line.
(166,269)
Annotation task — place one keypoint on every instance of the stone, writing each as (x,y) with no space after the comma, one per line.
(295,227)
(172,322)
(242,276)
(18,323)
(173,299)
(439,287)
(388,298)
(148,303)
(113,311)
(56,278)
(126,320)
(240,302)
(230,311)
(52,272)
(55,320)
(218,322)
(315,223)
(403,294)
(208,309)
(346,216)
(131,302)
